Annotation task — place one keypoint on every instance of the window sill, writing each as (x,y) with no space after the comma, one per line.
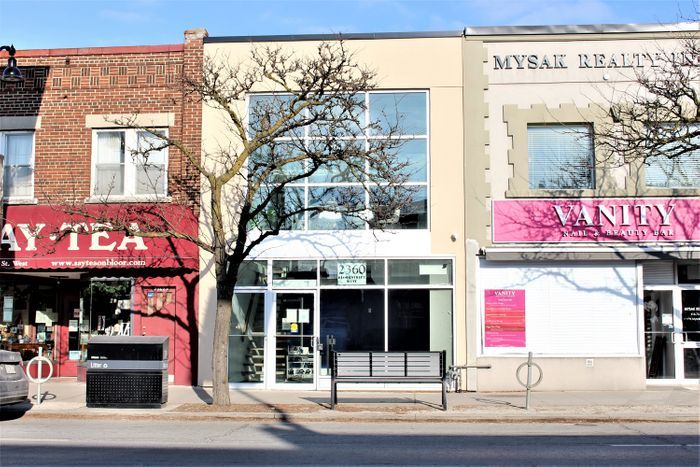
(20,201)
(128,199)
(659,191)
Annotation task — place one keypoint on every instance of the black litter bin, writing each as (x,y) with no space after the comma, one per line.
(127,371)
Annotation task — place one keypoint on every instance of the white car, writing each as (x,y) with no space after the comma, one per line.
(14,386)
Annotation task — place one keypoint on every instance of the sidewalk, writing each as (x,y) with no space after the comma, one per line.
(65,398)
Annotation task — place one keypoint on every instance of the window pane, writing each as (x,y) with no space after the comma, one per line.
(413,215)
(19,149)
(336,200)
(148,141)
(679,172)
(279,155)
(342,118)
(352,272)
(282,208)
(426,271)
(350,169)
(110,147)
(294,273)
(109,179)
(420,320)
(351,320)
(246,339)
(19,181)
(399,110)
(560,156)
(252,273)
(412,154)
(150,180)
(264,110)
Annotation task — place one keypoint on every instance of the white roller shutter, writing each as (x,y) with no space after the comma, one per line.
(570,309)
(658,273)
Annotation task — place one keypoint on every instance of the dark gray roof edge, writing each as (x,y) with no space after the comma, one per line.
(336,36)
(581,29)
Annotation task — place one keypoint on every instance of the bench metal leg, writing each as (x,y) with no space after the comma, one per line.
(334,394)
(444,394)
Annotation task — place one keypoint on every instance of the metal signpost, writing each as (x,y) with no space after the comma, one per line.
(39,360)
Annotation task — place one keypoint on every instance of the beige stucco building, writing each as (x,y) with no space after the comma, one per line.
(326,285)
(524,238)
(603,299)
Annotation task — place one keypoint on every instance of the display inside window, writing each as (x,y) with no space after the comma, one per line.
(560,156)
(29,319)
(106,310)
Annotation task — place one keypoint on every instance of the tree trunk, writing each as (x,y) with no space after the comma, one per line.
(224,305)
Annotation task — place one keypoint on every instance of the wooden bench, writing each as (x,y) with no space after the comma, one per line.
(388,367)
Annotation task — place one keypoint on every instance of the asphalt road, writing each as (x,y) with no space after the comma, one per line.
(160,442)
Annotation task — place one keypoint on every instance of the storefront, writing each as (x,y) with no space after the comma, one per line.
(603,296)
(289,314)
(332,281)
(66,279)
(583,257)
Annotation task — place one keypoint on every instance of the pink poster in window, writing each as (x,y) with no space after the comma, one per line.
(504,318)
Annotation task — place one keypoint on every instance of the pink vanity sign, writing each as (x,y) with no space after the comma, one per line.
(504,318)
(596,220)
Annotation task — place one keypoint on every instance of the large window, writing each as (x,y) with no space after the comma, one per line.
(560,157)
(679,172)
(129,163)
(337,186)
(18,149)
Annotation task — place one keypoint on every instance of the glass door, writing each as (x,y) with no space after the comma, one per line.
(658,334)
(295,339)
(688,335)
(672,334)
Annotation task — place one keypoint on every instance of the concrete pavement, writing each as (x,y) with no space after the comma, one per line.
(65,398)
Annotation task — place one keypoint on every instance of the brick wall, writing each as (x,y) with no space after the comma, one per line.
(64,85)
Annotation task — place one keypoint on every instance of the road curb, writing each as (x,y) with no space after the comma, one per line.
(365,417)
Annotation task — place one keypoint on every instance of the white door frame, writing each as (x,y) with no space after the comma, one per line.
(271,341)
(679,343)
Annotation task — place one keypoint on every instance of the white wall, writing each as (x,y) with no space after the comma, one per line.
(570,308)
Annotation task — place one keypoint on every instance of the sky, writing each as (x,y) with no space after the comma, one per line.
(38,24)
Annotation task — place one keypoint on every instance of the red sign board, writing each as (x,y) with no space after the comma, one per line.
(504,318)
(48,237)
(628,220)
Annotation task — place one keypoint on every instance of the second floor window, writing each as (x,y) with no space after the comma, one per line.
(330,184)
(560,157)
(18,149)
(129,163)
(681,171)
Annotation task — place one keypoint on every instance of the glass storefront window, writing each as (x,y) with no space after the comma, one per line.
(294,273)
(351,319)
(247,338)
(252,273)
(426,271)
(352,272)
(420,319)
(689,273)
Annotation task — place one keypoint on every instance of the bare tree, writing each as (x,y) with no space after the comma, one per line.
(310,118)
(656,119)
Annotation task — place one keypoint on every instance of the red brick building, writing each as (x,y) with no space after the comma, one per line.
(69,165)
